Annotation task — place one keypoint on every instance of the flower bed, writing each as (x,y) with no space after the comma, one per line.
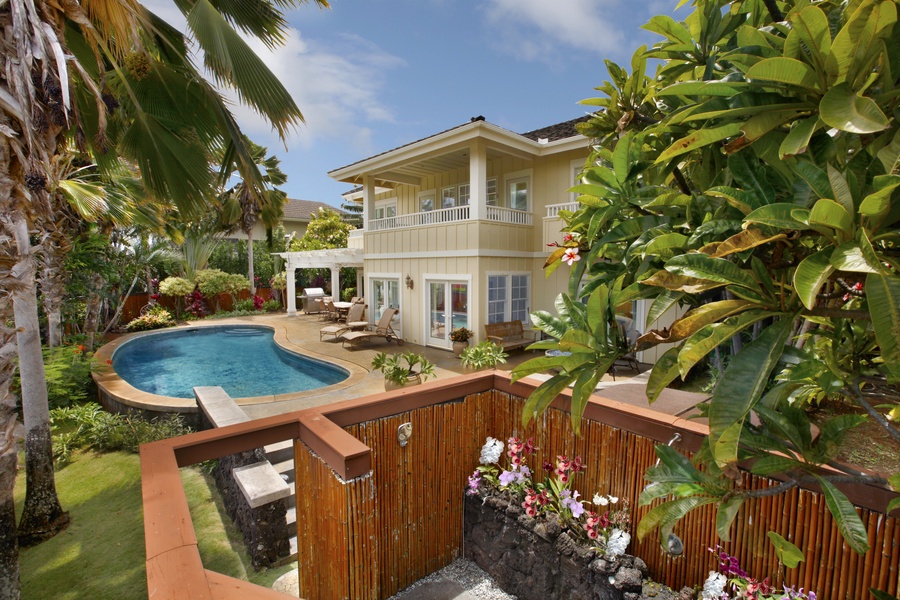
(538,559)
(537,540)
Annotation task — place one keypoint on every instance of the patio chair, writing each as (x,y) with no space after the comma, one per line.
(331,312)
(381,329)
(355,321)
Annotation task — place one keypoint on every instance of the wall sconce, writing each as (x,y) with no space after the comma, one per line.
(409,281)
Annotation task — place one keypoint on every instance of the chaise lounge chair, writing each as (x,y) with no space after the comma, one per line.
(381,329)
(355,321)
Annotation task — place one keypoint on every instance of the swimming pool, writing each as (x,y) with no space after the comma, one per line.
(242,359)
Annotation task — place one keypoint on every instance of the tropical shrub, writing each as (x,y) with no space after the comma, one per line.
(155,318)
(175,286)
(213,282)
(755,179)
(89,426)
(68,373)
(272,305)
(461,334)
(484,354)
(400,368)
(278,281)
(244,306)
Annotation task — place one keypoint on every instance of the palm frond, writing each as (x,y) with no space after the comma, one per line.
(174,164)
(234,64)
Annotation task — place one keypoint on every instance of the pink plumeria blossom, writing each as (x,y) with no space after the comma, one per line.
(571,256)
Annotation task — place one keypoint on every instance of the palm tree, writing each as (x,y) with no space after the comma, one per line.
(117,79)
(243,206)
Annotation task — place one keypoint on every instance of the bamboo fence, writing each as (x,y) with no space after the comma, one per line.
(372,536)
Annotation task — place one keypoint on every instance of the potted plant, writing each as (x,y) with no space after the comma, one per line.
(460,338)
(403,369)
(483,354)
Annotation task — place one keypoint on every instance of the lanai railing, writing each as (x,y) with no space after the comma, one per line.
(450,215)
(374,515)
(553,209)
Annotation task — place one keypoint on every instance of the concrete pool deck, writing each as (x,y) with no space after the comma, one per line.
(300,333)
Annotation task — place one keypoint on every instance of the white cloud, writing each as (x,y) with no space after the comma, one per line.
(535,29)
(336,88)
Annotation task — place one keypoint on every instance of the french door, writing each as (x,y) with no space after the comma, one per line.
(448,309)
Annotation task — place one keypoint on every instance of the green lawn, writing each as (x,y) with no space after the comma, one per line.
(101,554)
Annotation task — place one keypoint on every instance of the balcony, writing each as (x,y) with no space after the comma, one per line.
(453,214)
(553,234)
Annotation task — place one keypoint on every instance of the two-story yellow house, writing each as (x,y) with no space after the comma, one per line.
(456,225)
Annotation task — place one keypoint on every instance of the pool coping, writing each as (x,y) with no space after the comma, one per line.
(112,387)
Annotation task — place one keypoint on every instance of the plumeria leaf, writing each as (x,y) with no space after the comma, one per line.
(725,514)
(789,554)
(846,517)
(664,372)
(670,512)
(811,274)
(884,306)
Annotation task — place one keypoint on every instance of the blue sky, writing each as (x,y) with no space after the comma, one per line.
(371,75)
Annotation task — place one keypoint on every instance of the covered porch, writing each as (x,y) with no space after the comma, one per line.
(333,259)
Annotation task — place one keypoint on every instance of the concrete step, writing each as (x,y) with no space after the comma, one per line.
(280,451)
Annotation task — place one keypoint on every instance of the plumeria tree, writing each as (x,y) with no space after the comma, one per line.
(755,179)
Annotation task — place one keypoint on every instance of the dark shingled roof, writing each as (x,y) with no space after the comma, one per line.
(302,210)
(559,131)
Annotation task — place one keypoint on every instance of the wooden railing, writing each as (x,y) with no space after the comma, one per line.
(374,517)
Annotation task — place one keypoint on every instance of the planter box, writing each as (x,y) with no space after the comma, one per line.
(536,559)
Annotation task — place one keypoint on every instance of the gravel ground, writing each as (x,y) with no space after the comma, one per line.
(461,574)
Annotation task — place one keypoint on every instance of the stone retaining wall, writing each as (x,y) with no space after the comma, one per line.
(536,559)
(264,528)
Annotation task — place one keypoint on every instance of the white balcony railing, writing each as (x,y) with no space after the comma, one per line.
(430,217)
(450,215)
(553,209)
(508,215)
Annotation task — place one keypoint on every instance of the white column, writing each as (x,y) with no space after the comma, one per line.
(478,180)
(368,186)
(291,291)
(335,283)
(360,280)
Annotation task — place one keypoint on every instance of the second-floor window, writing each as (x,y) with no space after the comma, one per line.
(448,197)
(426,202)
(386,210)
(517,193)
(491,191)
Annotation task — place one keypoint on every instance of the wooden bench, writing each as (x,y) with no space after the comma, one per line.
(509,335)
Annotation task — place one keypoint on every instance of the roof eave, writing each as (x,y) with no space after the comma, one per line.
(492,133)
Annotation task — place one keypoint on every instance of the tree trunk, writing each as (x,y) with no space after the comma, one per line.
(10,585)
(92,312)
(115,318)
(52,275)
(250,272)
(42,516)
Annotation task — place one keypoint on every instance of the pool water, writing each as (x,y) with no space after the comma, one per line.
(244,360)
